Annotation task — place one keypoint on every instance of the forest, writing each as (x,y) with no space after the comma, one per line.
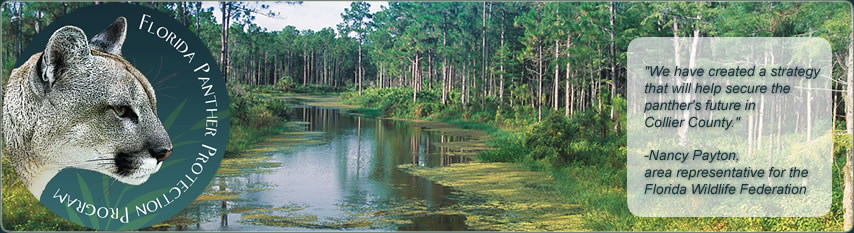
(526,70)
(571,55)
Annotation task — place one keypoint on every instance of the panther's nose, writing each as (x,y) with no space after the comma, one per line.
(161,153)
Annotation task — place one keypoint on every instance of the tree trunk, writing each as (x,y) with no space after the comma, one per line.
(183,10)
(464,90)
(198,19)
(599,78)
(483,63)
(613,11)
(450,84)
(225,8)
(566,83)
(274,73)
(37,23)
(581,89)
(557,74)
(416,73)
(594,93)
(501,75)
(444,71)
(429,70)
(304,67)
(360,67)
(444,81)
(540,79)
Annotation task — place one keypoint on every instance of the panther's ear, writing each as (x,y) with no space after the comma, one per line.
(112,38)
(67,47)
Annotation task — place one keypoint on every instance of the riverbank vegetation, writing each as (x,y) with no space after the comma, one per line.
(585,156)
(253,119)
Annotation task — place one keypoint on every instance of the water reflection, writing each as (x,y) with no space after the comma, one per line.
(345,177)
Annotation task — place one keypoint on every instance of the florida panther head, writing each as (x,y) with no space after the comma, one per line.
(79,104)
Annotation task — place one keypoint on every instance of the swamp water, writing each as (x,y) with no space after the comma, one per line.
(337,171)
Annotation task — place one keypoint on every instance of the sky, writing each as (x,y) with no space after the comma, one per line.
(314,15)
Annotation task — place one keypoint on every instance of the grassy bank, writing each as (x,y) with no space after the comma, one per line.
(585,155)
(22,211)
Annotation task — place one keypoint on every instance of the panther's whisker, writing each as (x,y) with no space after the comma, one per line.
(85,163)
(99,159)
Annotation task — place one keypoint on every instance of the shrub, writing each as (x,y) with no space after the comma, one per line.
(253,118)
(509,147)
(550,139)
(587,137)
(261,117)
(285,82)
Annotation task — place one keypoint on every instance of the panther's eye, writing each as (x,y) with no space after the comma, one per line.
(122,111)
(125,112)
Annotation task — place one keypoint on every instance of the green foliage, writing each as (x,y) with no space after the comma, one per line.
(253,119)
(396,102)
(585,138)
(509,147)
(285,82)
(355,19)
(552,138)
(314,89)
(22,211)
(841,144)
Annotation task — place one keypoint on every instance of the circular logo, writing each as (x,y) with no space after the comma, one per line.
(116,117)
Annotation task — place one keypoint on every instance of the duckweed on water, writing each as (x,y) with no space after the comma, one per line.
(177,220)
(401,213)
(266,219)
(246,165)
(258,208)
(289,216)
(284,216)
(217,197)
(505,197)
